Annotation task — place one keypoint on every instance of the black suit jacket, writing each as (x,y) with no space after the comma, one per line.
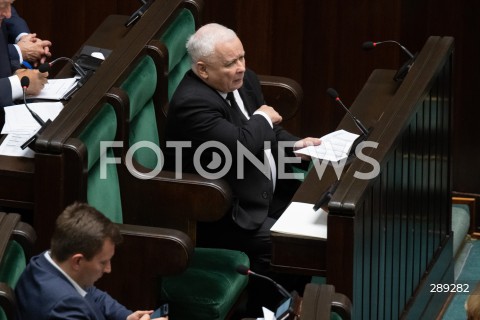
(15,25)
(5,69)
(199,114)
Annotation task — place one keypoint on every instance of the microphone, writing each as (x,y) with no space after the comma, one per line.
(25,82)
(326,196)
(81,72)
(368,45)
(138,13)
(242,269)
(334,95)
(44,67)
(84,75)
(403,70)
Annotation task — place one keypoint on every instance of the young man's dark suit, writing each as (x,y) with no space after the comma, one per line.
(43,292)
(198,113)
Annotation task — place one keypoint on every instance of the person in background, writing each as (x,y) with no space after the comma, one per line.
(472,305)
(59,283)
(24,45)
(10,76)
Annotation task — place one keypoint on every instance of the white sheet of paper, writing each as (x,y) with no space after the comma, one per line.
(267,315)
(300,219)
(19,119)
(12,142)
(335,146)
(55,89)
(20,126)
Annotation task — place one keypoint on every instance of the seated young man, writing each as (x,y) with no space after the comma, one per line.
(59,283)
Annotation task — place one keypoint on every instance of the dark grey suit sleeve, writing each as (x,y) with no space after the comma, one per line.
(15,25)
(5,92)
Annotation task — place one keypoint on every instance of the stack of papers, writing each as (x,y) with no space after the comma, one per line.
(335,146)
(300,219)
(20,126)
(56,89)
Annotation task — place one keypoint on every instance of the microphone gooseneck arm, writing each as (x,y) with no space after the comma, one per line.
(370,45)
(334,95)
(281,289)
(246,271)
(75,65)
(25,82)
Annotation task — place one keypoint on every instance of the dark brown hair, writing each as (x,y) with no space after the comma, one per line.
(81,228)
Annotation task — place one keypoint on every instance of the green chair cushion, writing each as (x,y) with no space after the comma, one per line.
(13,264)
(140,85)
(103,127)
(210,286)
(175,39)
(103,192)
(176,36)
(143,128)
(177,73)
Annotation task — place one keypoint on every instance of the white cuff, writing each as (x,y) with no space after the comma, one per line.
(20,58)
(265,116)
(20,36)
(17,91)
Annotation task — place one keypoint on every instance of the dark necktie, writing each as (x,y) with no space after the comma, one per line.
(236,108)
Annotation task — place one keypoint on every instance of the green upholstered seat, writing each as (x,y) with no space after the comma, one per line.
(175,39)
(13,264)
(103,192)
(11,267)
(211,285)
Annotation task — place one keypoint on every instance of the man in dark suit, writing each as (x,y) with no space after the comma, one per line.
(203,112)
(10,88)
(24,45)
(59,283)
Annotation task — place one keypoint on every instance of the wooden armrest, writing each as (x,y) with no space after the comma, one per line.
(342,305)
(26,236)
(168,250)
(7,224)
(284,94)
(320,300)
(7,300)
(192,197)
(146,254)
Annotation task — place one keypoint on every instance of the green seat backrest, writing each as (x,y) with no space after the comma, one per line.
(103,191)
(141,84)
(11,267)
(175,39)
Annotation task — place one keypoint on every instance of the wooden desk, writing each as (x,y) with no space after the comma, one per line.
(389,235)
(304,255)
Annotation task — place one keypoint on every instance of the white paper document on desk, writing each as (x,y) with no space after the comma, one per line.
(55,89)
(300,219)
(20,126)
(19,119)
(335,146)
